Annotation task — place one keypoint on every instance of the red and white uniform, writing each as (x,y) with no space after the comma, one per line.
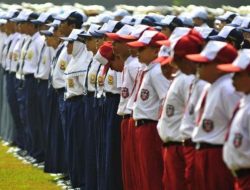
(174,107)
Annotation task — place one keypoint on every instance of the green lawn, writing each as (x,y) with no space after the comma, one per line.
(14,175)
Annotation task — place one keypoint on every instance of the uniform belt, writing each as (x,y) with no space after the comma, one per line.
(185,142)
(75,98)
(203,145)
(60,90)
(110,95)
(241,172)
(126,116)
(12,73)
(172,143)
(141,122)
(89,93)
(28,76)
(41,80)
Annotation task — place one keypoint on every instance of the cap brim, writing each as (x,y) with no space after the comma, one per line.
(84,35)
(67,39)
(128,37)
(167,60)
(46,33)
(136,44)
(115,37)
(163,42)
(197,58)
(17,20)
(160,59)
(245,29)
(217,38)
(229,68)
(97,34)
(36,22)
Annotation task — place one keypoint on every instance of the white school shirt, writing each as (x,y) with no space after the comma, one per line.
(15,39)
(32,54)
(130,70)
(174,107)
(188,121)
(3,37)
(21,56)
(112,82)
(45,63)
(92,75)
(58,77)
(236,150)
(16,55)
(76,71)
(5,49)
(220,103)
(151,94)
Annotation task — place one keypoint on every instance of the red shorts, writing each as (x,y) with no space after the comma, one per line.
(242,183)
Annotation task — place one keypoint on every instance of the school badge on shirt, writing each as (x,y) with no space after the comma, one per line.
(44,60)
(100,80)
(207,125)
(71,83)
(170,110)
(62,64)
(237,140)
(144,94)
(124,92)
(92,78)
(15,56)
(30,55)
(110,80)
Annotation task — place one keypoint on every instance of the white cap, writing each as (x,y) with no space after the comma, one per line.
(186,19)
(147,36)
(203,31)
(23,16)
(73,35)
(92,28)
(103,18)
(177,34)
(108,27)
(237,21)
(128,20)
(225,31)
(212,49)
(42,17)
(121,13)
(200,13)
(167,20)
(243,59)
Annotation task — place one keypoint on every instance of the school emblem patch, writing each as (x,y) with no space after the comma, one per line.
(62,64)
(124,92)
(30,55)
(100,80)
(110,80)
(191,109)
(144,94)
(44,60)
(207,125)
(92,78)
(15,56)
(170,110)
(237,140)
(71,83)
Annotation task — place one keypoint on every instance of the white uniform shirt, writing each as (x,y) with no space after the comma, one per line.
(20,60)
(188,121)
(130,70)
(76,71)
(112,82)
(15,39)
(58,77)
(174,107)
(5,50)
(236,151)
(220,103)
(16,55)
(92,75)
(151,94)
(45,63)
(32,54)
(3,37)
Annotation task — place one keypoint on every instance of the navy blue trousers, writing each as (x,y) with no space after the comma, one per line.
(55,161)
(33,120)
(14,108)
(21,99)
(91,150)
(75,140)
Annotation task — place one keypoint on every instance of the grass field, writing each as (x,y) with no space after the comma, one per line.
(14,175)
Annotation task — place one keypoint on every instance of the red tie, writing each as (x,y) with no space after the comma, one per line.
(236,109)
(202,108)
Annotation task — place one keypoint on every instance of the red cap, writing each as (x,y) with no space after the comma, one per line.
(148,38)
(215,51)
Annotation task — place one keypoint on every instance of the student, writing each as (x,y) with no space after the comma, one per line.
(75,74)
(179,151)
(147,103)
(214,110)
(236,148)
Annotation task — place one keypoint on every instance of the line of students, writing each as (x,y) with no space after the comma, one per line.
(131,104)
